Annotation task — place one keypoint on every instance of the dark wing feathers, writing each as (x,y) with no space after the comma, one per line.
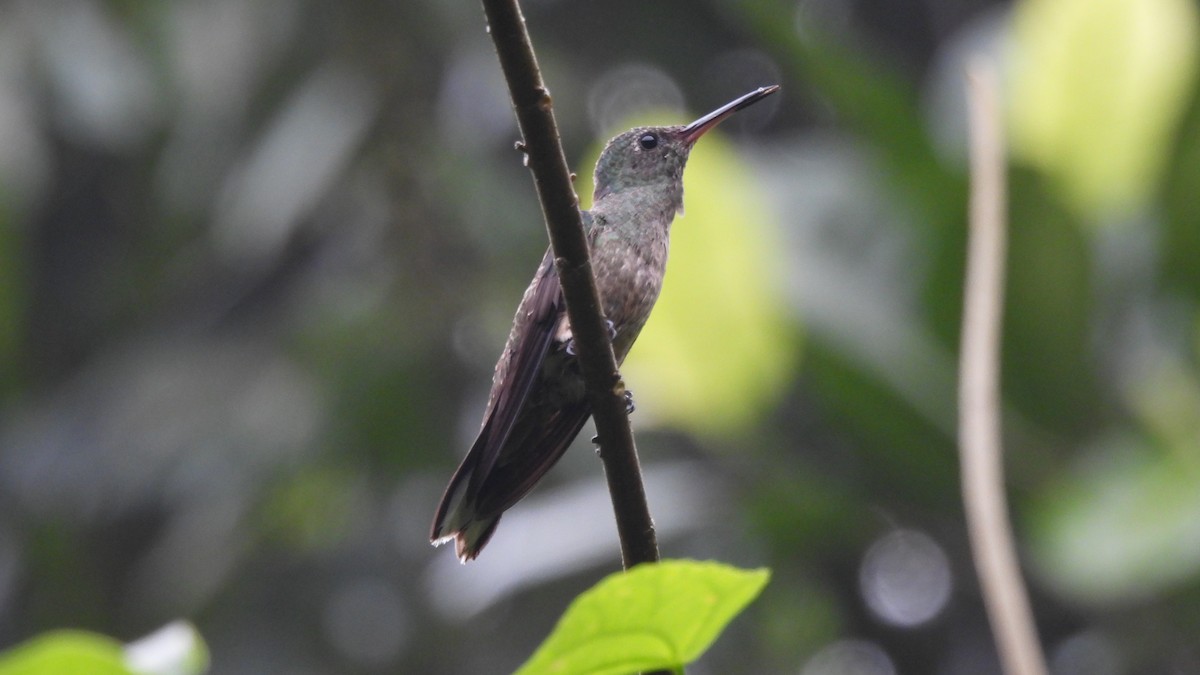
(541,446)
(522,437)
(537,318)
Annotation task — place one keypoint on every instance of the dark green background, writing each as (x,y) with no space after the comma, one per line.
(257,259)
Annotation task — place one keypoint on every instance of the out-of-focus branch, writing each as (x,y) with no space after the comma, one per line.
(980,448)
(560,207)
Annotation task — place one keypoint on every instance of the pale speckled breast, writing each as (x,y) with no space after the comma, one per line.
(630,278)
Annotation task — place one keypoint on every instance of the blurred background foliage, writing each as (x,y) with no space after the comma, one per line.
(257,259)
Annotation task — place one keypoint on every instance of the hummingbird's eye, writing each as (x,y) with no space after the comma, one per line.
(648,141)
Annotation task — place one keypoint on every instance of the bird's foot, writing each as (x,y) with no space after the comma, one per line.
(612,335)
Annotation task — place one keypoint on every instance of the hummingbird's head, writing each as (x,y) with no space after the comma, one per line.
(644,156)
(649,156)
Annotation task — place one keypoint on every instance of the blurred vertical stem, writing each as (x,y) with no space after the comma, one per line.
(991,536)
(560,207)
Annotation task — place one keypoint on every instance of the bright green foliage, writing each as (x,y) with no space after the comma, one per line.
(66,652)
(1098,88)
(177,649)
(656,616)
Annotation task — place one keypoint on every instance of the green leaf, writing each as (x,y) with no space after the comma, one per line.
(655,616)
(175,649)
(1124,529)
(65,652)
(1098,88)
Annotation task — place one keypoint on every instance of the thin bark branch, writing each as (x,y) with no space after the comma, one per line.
(560,207)
(991,535)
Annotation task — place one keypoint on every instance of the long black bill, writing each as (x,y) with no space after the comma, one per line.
(696,129)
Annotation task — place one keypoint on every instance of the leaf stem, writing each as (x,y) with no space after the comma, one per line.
(980,445)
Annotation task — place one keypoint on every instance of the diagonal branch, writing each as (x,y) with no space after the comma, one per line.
(560,207)
(979,390)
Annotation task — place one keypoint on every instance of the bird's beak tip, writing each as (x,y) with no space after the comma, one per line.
(696,129)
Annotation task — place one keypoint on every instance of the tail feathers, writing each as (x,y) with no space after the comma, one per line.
(470,539)
(457,519)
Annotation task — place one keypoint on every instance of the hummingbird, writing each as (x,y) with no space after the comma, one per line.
(538,401)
